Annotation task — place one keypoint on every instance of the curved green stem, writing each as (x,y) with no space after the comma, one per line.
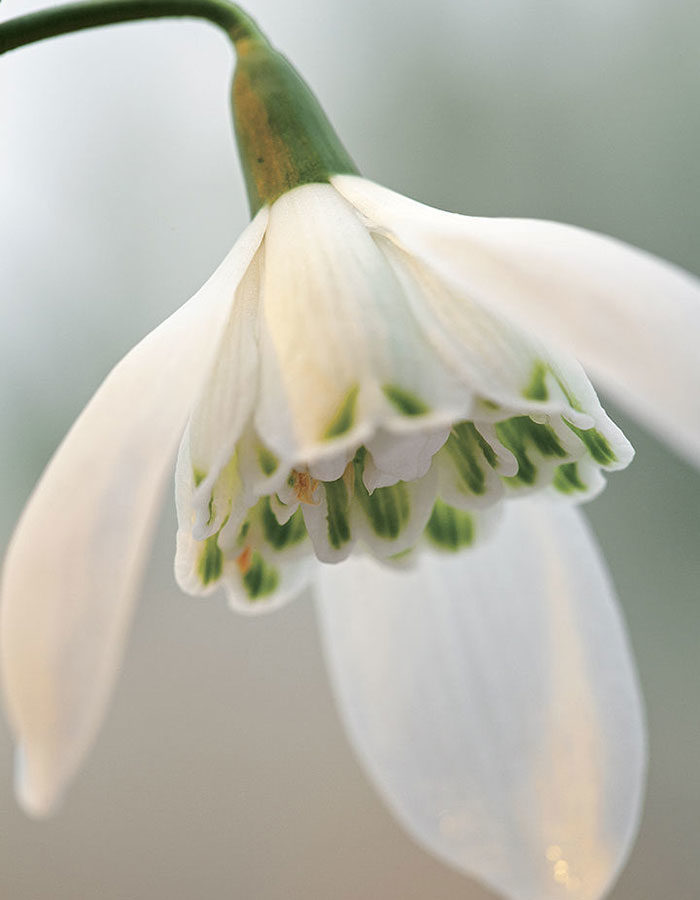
(284,137)
(78,16)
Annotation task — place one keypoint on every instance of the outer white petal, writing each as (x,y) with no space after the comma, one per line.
(493,699)
(75,560)
(632,319)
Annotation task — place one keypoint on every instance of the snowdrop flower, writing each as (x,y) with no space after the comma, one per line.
(383,400)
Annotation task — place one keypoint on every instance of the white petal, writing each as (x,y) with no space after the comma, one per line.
(391,520)
(331,543)
(454,486)
(402,457)
(493,700)
(76,557)
(337,335)
(291,577)
(629,317)
(227,399)
(506,366)
(196,556)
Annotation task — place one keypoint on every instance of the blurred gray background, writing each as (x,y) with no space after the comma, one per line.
(222,770)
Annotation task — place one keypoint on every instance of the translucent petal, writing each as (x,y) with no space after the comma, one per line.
(76,557)
(629,317)
(493,699)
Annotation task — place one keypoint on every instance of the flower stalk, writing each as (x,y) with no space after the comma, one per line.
(39,26)
(284,137)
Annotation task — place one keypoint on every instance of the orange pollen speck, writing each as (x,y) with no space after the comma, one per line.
(244,559)
(304,487)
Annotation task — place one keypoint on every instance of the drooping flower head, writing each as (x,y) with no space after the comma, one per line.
(359,398)
(366,376)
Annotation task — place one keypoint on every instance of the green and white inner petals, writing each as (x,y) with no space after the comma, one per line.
(260,563)
(470,469)
(222,411)
(542,408)
(629,317)
(341,351)
(387,521)
(359,397)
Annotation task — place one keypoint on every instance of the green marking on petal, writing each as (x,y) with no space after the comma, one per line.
(486,449)
(513,438)
(450,528)
(260,579)
(345,417)
(521,435)
(465,450)
(267,460)
(281,536)
(338,517)
(404,554)
(567,479)
(545,439)
(198,475)
(570,399)
(406,402)
(243,533)
(387,508)
(537,388)
(211,561)
(596,444)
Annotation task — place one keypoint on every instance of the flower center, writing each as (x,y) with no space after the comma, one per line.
(304,487)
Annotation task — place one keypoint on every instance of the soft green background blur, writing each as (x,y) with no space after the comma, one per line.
(222,770)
